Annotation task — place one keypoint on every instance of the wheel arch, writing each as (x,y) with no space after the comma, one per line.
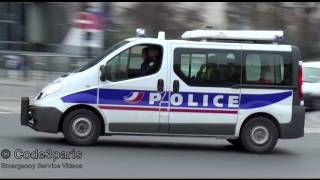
(261,114)
(81,106)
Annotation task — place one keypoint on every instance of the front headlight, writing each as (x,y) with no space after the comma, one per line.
(50,89)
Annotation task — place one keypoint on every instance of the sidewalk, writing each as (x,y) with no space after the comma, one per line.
(13,86)
(34,78)
(20,82)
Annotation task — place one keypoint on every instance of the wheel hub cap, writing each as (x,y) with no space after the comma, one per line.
(82,126)
(259,134)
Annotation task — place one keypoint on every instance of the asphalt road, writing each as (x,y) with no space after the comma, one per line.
(155,157)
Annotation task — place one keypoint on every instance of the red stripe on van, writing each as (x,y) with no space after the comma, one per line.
(165,109)
(128,108)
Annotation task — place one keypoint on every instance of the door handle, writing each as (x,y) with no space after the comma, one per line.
(176,86)
(160,85)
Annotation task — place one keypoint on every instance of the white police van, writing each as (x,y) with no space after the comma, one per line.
(247,91)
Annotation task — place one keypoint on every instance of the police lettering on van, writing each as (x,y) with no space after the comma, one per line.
(248,93)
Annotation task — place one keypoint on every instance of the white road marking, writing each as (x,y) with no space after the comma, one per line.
(312,130)
(4,112)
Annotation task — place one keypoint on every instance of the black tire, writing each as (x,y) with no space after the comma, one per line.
(70,133)
(247,140)
(235,142)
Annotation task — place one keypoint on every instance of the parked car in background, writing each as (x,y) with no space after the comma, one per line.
(311,84)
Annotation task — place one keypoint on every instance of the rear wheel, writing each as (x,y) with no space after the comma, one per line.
(259,135)
(81,127)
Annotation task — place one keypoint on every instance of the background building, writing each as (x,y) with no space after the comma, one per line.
(42,26)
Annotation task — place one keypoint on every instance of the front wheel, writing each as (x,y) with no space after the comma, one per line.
(259,135)
(81,127)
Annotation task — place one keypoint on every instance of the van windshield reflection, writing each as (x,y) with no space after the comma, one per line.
(99,58)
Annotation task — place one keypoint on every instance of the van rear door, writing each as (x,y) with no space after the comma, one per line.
(267,85)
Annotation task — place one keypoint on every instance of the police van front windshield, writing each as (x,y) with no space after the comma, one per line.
(99,58)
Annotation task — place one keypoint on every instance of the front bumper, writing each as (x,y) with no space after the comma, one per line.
(45,119)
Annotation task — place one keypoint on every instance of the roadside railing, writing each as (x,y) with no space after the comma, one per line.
(37,65)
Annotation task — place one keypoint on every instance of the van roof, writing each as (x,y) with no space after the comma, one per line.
(244,46)
(256,35)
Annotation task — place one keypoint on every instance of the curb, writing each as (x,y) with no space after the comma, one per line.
(7,84)
(9,99)
(19,83)
(312,130)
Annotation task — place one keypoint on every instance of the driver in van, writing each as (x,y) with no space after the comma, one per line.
(144,53)
(152,62)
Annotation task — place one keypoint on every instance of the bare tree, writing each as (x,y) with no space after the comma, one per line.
(168,17)
(297,19)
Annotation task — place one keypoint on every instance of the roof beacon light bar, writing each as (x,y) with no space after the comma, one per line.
(234,35)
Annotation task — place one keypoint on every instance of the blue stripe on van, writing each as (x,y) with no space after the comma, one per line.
(116,97)
(249,101)
(85,97)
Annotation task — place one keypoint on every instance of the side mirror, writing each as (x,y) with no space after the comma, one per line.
(103,75)
(105,72)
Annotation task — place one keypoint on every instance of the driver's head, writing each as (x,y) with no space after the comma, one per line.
(153,52)
(144,53)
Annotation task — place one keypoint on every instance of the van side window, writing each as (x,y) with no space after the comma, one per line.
(198,62)
(253,70)
(185,64)
(208,68)
(118,66)
(267,68)
(137,61)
